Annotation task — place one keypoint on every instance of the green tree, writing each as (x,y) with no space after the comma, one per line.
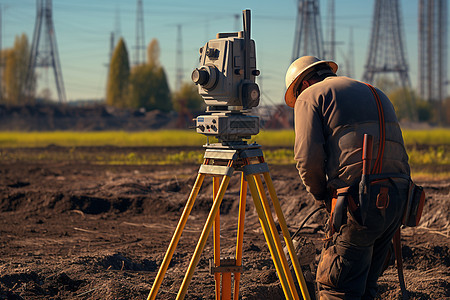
(447,111)
(149,88)
(187,97)
(16,71)
(424,110)
(404,102)
(148,83)
(387,84)
(118,77)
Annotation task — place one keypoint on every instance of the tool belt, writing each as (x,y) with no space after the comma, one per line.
(356,198)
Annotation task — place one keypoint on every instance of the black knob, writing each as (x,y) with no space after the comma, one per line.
(200,76)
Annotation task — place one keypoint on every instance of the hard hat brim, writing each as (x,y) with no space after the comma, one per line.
(289,96)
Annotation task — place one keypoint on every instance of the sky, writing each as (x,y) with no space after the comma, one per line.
(83,30)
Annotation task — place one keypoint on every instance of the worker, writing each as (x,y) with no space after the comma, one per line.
(332,114)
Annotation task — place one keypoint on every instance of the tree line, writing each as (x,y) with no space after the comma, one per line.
(129,87)
(146,86)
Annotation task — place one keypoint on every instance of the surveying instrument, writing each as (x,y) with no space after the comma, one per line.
(226,81)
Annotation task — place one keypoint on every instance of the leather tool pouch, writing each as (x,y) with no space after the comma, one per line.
(414,205)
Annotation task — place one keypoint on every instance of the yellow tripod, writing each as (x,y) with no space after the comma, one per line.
(220,162)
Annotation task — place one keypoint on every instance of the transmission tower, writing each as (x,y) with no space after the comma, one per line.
(351,55)
(111,47)
(387,52)
(237,22)
(331,32)
(114,35)
(179,59)
(1,56)
(45,55)
(433,50)
(140,37)
(308,33)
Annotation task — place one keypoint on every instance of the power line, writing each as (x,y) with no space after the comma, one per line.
(179,59)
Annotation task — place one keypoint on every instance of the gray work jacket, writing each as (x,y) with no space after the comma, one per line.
(331,118)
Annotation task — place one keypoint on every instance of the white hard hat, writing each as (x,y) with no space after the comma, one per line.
(297,71)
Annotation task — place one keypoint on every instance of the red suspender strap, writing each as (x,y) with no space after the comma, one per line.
(377,170)
(378,163)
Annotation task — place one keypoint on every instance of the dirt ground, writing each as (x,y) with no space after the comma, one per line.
(84,231)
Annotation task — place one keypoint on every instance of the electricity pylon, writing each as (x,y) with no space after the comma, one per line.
(387,52)
(433,51)
(308,33)
(46,54)
(179,59)
(140,37)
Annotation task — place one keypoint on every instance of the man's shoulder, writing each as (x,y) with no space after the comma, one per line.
(329,84)
(341,85)
(341,80)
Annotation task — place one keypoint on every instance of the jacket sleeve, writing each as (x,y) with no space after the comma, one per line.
(309,149)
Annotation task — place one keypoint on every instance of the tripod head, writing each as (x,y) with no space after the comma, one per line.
(226,82)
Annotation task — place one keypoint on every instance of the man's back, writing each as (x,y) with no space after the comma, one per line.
(347,110)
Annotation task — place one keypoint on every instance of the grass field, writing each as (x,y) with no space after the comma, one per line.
(281,138)
(428,150)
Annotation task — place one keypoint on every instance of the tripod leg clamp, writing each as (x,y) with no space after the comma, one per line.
(227,265)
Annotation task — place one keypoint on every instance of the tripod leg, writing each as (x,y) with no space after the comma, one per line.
(269,237)
(203,237)
(287,236)
(176,237)
(275,234)
(226,286)
(216,238)
(240,234)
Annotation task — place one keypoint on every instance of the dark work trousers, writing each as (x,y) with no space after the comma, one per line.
(353,259)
